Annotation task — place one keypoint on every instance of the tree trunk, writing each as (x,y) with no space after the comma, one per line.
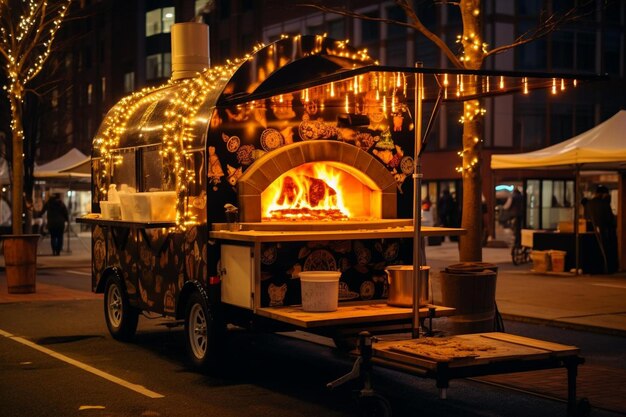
(470,244)
(17,165)
(470,247)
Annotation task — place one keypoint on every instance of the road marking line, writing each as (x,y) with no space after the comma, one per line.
(134,387)
(610,285)
(79,272)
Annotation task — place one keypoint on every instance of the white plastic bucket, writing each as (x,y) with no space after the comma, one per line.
(320,290)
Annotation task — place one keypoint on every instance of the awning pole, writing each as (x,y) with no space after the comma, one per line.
(417,202)
(576,215)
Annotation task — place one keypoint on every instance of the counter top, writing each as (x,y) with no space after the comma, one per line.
(300,235)
(347,313)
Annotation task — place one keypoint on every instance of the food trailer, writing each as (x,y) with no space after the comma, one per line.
(215,193)
(212,194)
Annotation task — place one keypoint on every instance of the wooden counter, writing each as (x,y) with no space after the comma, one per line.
(301,235)
(347,313)
(124,223)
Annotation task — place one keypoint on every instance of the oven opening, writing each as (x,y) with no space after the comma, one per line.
(321,191)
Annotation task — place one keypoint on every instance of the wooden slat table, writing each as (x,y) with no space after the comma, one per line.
(347,314)
(472,355)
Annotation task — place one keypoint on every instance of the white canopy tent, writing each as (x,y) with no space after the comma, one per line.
(601,148)
(71,166)
(61,168)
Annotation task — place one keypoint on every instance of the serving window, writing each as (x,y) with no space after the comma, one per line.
(123,169)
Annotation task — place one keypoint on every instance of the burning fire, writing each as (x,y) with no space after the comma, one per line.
(312,191)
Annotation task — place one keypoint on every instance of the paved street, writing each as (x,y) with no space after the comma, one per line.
(274,375)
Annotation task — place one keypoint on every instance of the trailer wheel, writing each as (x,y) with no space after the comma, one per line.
(374,405)
(120,316)
(201,333)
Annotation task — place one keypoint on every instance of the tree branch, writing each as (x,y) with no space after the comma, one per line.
(415,23)
(551,24)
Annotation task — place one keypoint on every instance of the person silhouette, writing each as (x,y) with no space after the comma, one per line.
(57,215)
(604,225)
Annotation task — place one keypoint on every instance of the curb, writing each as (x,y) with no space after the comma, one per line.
(564,325)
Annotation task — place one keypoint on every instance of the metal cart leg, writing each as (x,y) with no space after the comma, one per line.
(442,380)
(362,366)
(575,408)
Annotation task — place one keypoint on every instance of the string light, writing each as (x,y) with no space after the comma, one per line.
(180,117)
(471,110)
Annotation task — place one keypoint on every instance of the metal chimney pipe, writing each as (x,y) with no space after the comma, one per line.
(190,49)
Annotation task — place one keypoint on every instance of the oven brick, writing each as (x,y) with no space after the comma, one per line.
(250,208)
(389,206)
(348,154)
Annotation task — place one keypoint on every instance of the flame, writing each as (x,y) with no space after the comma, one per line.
(312,191)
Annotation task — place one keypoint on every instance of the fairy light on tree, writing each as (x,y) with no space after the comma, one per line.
(27,32)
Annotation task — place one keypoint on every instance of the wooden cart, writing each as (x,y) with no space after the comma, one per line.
(462,356)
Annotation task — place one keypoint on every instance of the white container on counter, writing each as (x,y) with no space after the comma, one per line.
(110,210)
(320,290)
(150,206)
(126,205)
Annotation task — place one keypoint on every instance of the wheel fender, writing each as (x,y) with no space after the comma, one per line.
(189,288)
(106,274)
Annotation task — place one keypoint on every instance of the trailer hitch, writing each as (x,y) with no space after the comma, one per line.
(362,365)
(369,402)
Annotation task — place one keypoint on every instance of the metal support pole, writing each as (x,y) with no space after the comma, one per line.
(417,201)
(576,215)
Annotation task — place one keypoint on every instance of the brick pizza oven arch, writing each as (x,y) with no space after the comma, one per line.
(273,164)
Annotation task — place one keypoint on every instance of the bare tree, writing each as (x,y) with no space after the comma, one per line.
(27,31)
(472,54)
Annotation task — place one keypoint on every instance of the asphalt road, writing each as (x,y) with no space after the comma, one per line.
(261,375)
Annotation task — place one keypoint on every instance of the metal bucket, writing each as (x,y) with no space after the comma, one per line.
(401,285)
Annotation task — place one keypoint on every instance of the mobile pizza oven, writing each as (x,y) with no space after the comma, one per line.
(212,193)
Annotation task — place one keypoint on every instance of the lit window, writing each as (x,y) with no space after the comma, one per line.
(160,21)
(129,82)
(158,65)
(153,22)
(168,19)
(167,64)
(153,66)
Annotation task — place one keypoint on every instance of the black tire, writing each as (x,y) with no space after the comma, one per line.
(203,334)
(374,406)
(120,316)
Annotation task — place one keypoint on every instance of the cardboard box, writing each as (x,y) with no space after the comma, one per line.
(527,237)
(568,226)
(541,260)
